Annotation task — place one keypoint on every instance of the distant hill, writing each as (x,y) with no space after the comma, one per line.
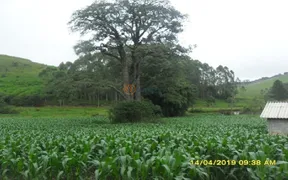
(253,89)
(19,76)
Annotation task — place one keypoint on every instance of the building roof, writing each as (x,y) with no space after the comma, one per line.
(277,110)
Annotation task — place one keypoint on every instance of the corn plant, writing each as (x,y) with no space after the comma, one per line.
(92,148)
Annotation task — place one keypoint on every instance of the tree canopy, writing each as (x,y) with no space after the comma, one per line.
(169,79)
(122,28)
(278,92)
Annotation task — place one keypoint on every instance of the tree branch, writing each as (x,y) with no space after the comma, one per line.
(112,55)
(117,90)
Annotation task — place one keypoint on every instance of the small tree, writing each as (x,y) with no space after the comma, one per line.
(210,101)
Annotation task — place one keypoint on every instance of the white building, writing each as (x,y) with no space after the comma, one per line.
(276,114)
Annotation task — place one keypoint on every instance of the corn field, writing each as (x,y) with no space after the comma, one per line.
(92,148)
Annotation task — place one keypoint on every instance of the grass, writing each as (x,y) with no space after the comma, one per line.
(92,148)
(19,76)
(222,104)
(254,89)
(56,111)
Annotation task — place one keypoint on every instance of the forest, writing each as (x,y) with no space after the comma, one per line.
(137,47)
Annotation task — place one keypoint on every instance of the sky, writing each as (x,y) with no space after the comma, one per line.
(250,37)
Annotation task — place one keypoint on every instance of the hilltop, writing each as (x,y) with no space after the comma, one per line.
(253,89)
(19,76)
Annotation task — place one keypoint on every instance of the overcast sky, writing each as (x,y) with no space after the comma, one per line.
(248,36)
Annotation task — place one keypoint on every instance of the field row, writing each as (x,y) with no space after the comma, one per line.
(91,148)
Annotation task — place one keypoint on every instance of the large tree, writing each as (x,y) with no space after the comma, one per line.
(122,27)
(167,82)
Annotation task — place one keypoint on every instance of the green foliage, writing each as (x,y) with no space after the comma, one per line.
(4,108)
(125,23)
(127,27)
(91,148)
(176,101)
(210,101)
(164,84)
(134,111)
(214,110)
(32,100)
(255,106)
(20,76)
(57,111)
(87,81)
(219,83)
(254,89)
(278,92)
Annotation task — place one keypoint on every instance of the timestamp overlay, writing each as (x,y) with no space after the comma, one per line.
(233,162)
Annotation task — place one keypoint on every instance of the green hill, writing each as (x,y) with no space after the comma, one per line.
(253,89)
(19,76)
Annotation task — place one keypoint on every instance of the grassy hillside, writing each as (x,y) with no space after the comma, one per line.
(254,89)
(19,76)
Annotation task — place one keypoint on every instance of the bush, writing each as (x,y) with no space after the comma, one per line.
(210,101)
(193,110)
(4,108)
(28,100)
(7,110)
(250,110)
(173,109)
(134,111)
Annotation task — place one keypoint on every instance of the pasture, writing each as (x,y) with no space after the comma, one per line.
(92,148)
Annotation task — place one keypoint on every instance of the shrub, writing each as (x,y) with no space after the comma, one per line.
(134,111)
(7,110)
(210,101)
(4,108)
(28,100)
(250,110)
(193,110)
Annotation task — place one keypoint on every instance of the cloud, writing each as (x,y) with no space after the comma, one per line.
(250,37)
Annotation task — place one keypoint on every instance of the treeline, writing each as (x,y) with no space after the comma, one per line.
(167,79)
(278,92)
(134,43)
(92,79)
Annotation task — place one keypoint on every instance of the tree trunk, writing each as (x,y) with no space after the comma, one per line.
(98,100)
(126,80)
(136,67)
(138,87)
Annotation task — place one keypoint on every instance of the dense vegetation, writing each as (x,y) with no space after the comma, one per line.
(130,47)
(131,43)
(130,111)
(278,92)
(91,148)
(4,107)
(138,45)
